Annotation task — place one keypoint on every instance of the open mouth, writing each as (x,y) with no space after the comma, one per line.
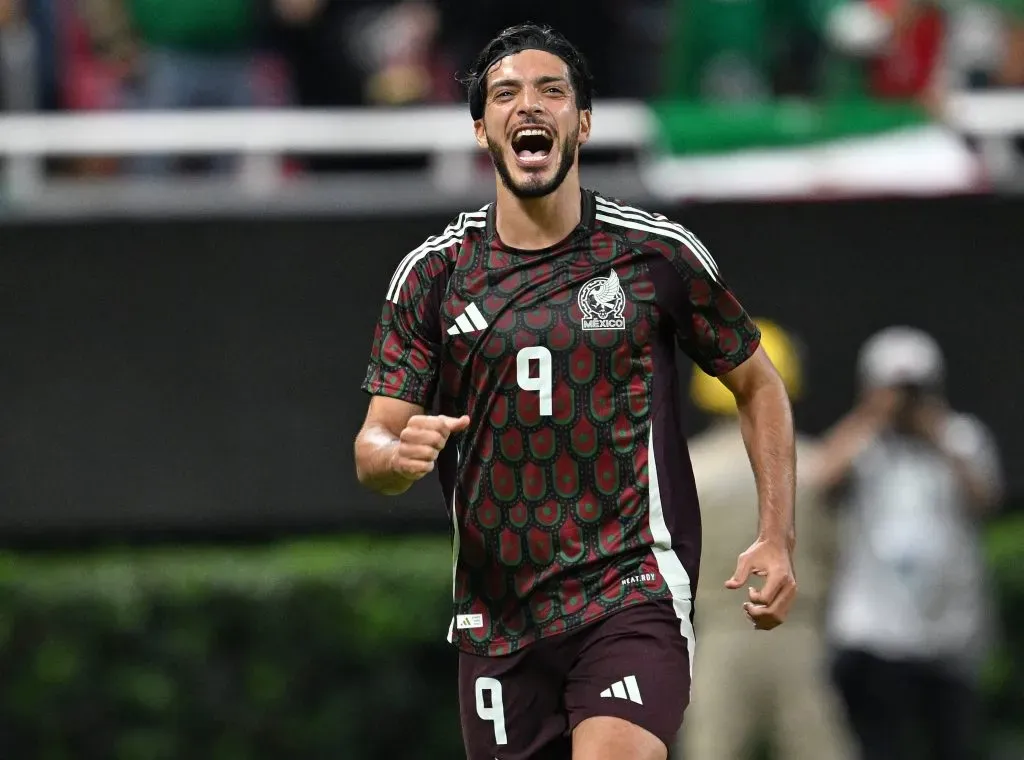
(532,145)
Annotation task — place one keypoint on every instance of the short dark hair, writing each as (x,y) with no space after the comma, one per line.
(516,39)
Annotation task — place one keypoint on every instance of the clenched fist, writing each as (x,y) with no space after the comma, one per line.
(421,441)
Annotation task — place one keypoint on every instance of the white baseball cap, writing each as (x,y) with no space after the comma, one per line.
(900,356)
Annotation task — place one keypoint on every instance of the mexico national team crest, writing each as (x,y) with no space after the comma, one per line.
(602,301)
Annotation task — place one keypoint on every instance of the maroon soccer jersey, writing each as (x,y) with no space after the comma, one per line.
(571,493)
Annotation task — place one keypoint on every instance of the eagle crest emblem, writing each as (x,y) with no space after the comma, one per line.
(602,302)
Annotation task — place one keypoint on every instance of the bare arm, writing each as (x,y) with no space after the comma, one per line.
(715,331)
(766,421)
(839,449)
(398,444)
(377,443)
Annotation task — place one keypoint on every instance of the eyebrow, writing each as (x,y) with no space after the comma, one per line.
(539,81)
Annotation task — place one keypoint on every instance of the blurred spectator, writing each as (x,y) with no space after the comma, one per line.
(1012,68)
(19,66)
(746,51)
(101,55)
(750,686)
(400,48)
(353,52)
(312,37)
(984,47)
(890,49)
(43,15)
(195,53)
(910,604)
(466,28)
(179,54)
(923,48)
(721,51)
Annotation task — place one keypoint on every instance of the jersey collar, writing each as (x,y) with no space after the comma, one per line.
(588,216)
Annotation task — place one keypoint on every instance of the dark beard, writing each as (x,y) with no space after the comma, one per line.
(531,189)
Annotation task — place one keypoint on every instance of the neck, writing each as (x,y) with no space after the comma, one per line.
(535,223)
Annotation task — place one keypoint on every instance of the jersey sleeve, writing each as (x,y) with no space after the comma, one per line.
(710,324)
(406,352)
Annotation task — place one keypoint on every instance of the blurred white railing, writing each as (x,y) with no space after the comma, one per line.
(442,135)
(353,131)
(988,114)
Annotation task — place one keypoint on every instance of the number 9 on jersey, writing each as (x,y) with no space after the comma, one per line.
(540,382)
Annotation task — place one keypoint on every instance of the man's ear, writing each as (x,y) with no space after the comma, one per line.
(481,134)
(584,126)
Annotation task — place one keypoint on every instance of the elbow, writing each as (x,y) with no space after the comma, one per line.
(757,382)
(363,475)
(767,394)
(381,484)
(364,469)
(359,458)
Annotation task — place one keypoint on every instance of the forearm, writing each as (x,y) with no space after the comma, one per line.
(839,449)
(766,421)
(374,454)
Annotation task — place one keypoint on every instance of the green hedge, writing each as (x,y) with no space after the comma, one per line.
(1005,674)
(302,651)
(306,650)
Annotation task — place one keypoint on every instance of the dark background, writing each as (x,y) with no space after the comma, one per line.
(173,378)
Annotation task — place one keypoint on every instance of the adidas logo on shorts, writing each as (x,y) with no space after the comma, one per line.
(627,688)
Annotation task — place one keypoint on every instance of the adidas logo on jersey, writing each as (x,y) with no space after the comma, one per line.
(469,321)
(627,688)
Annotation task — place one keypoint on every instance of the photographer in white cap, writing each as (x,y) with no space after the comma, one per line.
(909,611)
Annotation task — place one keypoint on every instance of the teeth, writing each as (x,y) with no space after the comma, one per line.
(531,133)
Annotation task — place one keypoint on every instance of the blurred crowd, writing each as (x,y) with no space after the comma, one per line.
(96,55)
(120,54)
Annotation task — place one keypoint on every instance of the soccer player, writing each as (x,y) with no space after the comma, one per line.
(527,353)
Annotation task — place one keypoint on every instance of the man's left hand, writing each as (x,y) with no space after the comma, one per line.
(771,560)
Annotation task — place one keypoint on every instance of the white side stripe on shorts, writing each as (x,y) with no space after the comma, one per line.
(450,236)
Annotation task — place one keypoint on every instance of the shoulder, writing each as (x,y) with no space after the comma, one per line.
(654,232)
(434,257)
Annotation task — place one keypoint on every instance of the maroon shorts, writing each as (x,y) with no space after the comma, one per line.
(633,664)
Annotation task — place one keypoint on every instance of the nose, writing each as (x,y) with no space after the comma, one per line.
(530,102)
